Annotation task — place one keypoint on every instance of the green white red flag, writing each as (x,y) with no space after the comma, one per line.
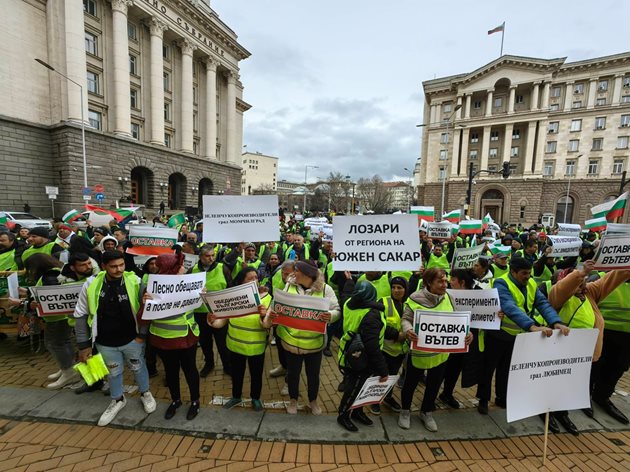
(150,241)
(611,210)
(426,213)
(470,227)
(596,224)
(119,214)
(71,216)
(453,216)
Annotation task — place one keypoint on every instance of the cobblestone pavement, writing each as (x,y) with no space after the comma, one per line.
(22,367)
(31,447)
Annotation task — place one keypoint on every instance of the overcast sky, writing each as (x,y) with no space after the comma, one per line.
(338,83)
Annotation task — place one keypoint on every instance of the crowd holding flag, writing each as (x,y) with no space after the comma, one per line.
(426,213)
(453,216)
(611,210)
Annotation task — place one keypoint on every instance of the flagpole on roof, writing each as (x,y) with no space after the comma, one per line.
(502,37)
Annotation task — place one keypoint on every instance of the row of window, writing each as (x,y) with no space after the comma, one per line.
(592,170)
(94,85)
(576,125)
(92,48)
(597,144)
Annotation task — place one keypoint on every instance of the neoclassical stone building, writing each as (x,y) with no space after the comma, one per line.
(563,127)
(162,102)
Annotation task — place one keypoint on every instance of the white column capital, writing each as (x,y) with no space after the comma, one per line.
(211,64)
(513,87)
(187,47)
(490,90)
(232,77)
(121,5)
(538,82)
(157,27)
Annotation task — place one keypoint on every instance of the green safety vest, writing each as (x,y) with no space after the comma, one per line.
(50,319)
(239,265)
(45,249)
(307,340)
(132,286)
(383,289)
(527,306)
(263,247)
(392,319)
(215,280)
(245,334)
(615,309)
(276,281)
(175,326)
(499,271)
(329,273)
(71,319)
(307,250)
(7,261)
(544,277)
(351,321)
(439,262)
(423,359)
(576,313)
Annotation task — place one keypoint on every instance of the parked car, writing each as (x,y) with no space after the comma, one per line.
(26,220)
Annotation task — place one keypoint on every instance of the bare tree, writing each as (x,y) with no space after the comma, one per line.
(373,193)
(264,189)
(338,191)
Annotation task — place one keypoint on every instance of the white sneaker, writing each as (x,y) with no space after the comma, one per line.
(404,419)
(112,410)
(55,376)
(67,376)
(278,371)
(428,421)
(292,407)
(285,390)
(148,402)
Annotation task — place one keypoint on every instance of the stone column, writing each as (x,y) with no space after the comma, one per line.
(75,60)
(186,126)
(489,103)
(512,99)
(157,82)
(529,148)
(540,148)
(534,101)
(485,148)
(545,98)
(464,145)
(616,91)
(455,152)
(438,113)
(232,145)
(568,96)
(210,138)
(507,142)
(467,106)
(432,115)
(458,114)
(592,93)
(120,68)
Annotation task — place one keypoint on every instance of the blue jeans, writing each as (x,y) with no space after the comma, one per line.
(115,358)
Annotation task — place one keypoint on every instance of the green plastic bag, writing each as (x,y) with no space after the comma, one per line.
(93,370)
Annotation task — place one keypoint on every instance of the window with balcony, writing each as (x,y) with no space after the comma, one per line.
(574,145)
(569,170)
(618,165)
(598,144)
(600,122)
(622,142)
(576,125)
(91,44)
(593,167)
(551,146)
(553,127)
(494,135)
(474,137)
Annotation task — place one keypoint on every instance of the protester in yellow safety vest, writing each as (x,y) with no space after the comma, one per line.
(394,350)
(434,256)
(39,242)
(175,341)
(266,250)
(432,297)
(299,250)
(218,277)
(113,298)
(529,252)
(43,269)
(577,304)
(500,265)
(519,297)
(266,271)
(305,347)
(615,359)
(8,251)
(380,282)
(247,340)
(278,282)
(543,268)
(364,318)
(247,258)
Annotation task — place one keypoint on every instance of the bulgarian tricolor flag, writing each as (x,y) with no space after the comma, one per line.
(500,249)
(611,210)
(453,216)
(596,224)
(454,229)
(119,214)
(425,213)
(71,216)
(176,220)
(470,227)
(487,220)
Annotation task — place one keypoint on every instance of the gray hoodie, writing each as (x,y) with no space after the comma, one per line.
(424,298)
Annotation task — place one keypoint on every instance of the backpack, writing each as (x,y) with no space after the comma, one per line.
(354,353)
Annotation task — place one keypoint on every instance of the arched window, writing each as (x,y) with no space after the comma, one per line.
(564,209)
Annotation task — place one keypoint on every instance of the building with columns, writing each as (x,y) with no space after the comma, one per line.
(563,127)
(161,101)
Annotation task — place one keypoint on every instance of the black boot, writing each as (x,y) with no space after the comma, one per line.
(612,410)
(567,424)
(553,425)
(361,417)
(344,420)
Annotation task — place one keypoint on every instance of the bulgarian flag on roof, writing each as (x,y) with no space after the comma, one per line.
(176,220)
(119,214)
(611,210)
(453,216)
(470,227)
(596,224)
(425,213)
(71,216)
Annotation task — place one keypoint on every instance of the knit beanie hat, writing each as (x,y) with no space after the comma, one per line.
(398,281)
(308,268)
(364,291)
(39,231)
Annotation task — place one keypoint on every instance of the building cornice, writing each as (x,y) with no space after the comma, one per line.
(242,105)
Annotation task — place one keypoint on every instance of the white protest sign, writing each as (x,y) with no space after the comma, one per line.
(233,302)
(484,306)
(613,252)
(617,228)
(568,229)
(54,300)
(325,228)
(233,219)
(173,295)
(373,391)
(190,261)
(565,246)
(439,229)
(376,243)
(13,285)
(465,257)
(550,374)
(441,331)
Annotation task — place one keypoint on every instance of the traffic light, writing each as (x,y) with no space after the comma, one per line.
(505,172)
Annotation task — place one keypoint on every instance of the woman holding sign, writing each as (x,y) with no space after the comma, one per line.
(247,340)
(432,297)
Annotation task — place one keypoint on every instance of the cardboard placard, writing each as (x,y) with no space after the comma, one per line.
(233,302)
(373,391)
(55,300)
(439,331)
(300,311)
(484,307)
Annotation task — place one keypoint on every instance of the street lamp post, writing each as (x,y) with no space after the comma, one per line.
(48,66)
(409,187)
(306,167)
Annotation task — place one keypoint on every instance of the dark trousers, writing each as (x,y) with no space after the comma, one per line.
(186,360)
(206,333)
(433,382)
(497,355)
(150,356)
(334,329)
(312,363)
(393,366)
(282,354)
(454,366)
(614,361)
(353,383)
(256,365)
